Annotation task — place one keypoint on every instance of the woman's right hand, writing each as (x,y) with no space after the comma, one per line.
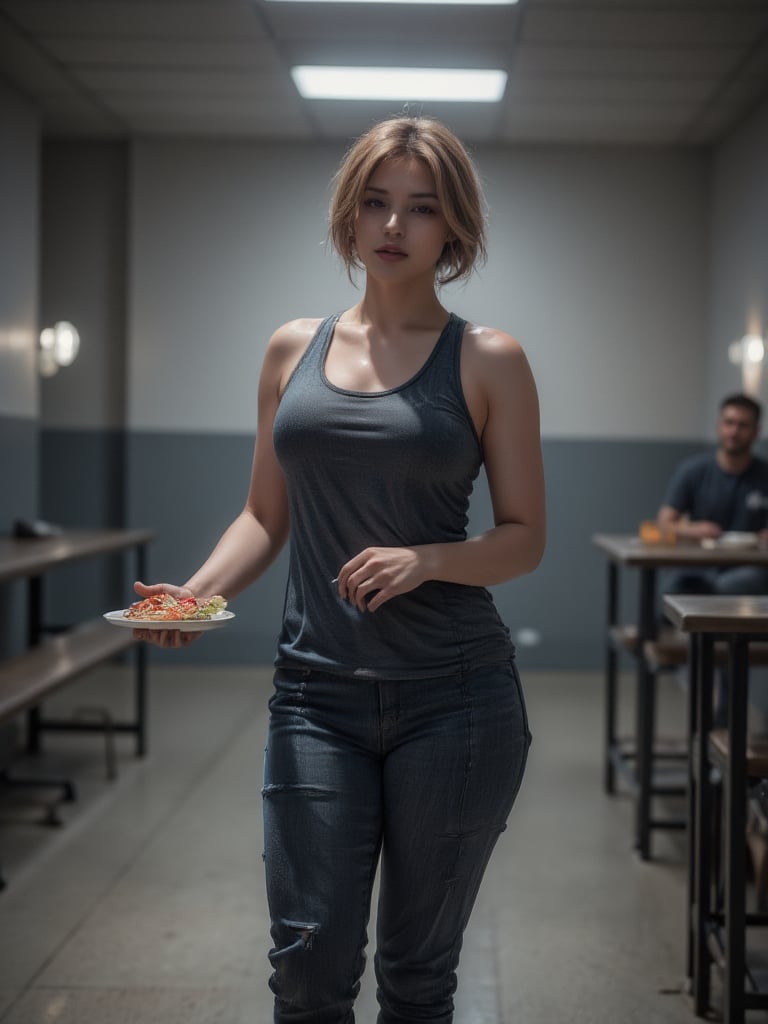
(163,637)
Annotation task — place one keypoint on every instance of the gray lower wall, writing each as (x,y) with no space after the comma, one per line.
(82,484)
(18,500)
(188,488)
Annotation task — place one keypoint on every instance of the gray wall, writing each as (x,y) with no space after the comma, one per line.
(18,303)
(600,262)
(597,262)
(738,250)
(18,330)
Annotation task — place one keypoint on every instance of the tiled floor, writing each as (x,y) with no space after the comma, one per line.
(147,906)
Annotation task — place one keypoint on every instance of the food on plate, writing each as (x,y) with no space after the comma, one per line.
(165,608)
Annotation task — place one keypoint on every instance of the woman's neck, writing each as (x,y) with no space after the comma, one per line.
(399,308)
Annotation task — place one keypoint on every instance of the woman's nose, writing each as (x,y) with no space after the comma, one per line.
(393,224)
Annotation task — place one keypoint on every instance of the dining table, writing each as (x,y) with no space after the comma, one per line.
(629,552)
(717,924)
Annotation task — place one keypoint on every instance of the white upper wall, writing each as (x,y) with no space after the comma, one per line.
(227,243)
(18,255)
(83,280)
(597,264)
(739,253)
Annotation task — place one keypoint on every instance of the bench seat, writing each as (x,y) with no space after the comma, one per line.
(28,678)
(670,648)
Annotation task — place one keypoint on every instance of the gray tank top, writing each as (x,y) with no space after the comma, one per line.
(388,468)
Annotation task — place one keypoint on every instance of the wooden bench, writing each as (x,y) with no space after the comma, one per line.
(54,658)
(29,677)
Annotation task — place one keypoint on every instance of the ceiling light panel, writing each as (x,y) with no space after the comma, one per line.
(457,85)
(464,3)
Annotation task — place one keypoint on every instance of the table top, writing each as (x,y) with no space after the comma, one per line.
(710,613)
(629,550)
(25,557)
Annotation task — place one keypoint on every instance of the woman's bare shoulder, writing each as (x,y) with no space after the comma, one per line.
(285,349)
(295,334)
(491,345)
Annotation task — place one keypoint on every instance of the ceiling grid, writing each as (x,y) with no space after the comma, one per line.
(637,72)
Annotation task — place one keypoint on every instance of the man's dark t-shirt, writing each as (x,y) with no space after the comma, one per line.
(700,489)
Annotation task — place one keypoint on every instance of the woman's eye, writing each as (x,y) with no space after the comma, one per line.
(375,204)
(423,209)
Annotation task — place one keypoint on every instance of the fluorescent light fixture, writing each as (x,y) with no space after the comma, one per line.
(466,3)
(461,85)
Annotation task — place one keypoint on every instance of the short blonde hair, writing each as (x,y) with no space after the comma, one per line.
(456,181)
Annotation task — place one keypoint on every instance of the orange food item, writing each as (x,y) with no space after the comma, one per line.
(652,533)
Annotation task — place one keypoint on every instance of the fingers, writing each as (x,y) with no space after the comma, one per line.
(365,585)
(362,594)
(143,590)
(147,590)
(168,638)
(376,575)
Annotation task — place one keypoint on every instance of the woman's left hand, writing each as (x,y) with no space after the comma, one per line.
(378,574)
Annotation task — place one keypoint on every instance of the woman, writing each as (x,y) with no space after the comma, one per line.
(398,731)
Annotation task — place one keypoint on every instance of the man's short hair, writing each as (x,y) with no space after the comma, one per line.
(744,402)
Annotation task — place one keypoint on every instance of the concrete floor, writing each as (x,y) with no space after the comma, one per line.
(147,906)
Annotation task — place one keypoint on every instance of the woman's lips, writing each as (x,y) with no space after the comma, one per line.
(391,255)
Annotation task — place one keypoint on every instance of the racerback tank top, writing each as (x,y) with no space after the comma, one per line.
(385,468)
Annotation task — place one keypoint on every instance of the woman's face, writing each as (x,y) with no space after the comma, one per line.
(400,230)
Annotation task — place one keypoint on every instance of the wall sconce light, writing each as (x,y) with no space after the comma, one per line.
(749,349)
(59,346)
(748,353)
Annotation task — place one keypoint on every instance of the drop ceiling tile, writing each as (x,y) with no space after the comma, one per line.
(672,27)
(189,83)
(228,18)
(124,51)
(428,24)
(597,6)
(615,91)
(372,52)
(23,63)
(537,59)
(678,70)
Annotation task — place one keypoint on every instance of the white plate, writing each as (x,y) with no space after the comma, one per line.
(732,539)
(184,625)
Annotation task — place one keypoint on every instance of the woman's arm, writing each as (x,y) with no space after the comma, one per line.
(254,539)
(503,401)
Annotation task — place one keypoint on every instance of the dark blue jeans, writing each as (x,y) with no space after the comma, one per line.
(421,773)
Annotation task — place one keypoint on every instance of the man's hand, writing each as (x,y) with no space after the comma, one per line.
(702,530)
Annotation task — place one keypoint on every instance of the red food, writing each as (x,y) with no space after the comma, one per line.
(165,608)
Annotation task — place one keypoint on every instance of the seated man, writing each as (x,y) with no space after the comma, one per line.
(723,491)
(708,495)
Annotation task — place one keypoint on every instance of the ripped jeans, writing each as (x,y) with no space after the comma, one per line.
(420,773)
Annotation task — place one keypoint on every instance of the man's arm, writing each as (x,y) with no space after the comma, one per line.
(680,500)
(671,518)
